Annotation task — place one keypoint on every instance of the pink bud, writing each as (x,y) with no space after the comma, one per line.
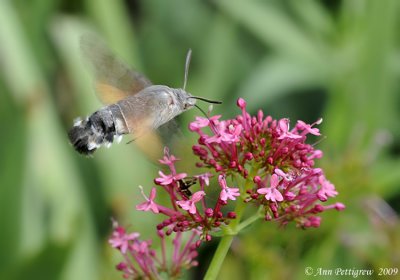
(241,103)
(231,215)
(340,206)
(209,212)
(268,217)
(260,115)
(319,208)
(248,156)
(198,243)
(121,266)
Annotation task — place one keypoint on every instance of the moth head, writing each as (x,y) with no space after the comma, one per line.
(183,100)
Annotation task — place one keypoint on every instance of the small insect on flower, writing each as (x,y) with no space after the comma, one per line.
(134,105)
(185,184)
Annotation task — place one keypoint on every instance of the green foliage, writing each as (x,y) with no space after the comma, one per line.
(301,59)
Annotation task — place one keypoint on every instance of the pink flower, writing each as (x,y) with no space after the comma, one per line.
(143,262)
(287,186)
(120,239)
(167,159)
(227,193)
(327,189)
(308,128)
(149,204)
(141,247)
(168,179)
(282,174)
(189,205)
(205,178)
(272,193)
(284,130)
(285,162)
(201,122)
(226,134)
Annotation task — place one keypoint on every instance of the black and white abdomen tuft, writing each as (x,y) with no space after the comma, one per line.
(97,130)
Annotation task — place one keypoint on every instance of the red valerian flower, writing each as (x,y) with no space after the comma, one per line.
(189,205)
(120,239)
(272,193)
(142,262)
(276,158)
(265,163)
(168,179)
(227,193)
(149,204)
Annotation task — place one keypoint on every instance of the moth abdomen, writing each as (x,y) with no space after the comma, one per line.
(89,134)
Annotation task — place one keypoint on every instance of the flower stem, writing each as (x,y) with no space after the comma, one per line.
(224,244)
(231,231)
(249,221)
(219,257)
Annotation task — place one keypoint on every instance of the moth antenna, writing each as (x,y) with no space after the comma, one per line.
(187,64)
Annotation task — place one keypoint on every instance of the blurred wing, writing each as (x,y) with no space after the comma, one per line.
(142,113)
(114,79)
(152,142)
(170,134)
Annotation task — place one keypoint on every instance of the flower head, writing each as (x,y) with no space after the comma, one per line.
(286,182)
(120,239)
(272,167)
(142,262)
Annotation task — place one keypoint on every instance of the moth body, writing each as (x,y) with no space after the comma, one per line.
(137,114)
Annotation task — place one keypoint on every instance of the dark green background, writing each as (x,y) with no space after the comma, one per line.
(339,60)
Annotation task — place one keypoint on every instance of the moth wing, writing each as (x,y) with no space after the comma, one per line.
(170,134)
(153,141)
(114,80)
(142,114)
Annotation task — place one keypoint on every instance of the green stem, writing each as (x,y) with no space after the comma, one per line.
(224,244)
(249,221)
(230,232)
(219,257)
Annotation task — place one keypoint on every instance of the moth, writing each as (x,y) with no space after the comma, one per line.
(133,104)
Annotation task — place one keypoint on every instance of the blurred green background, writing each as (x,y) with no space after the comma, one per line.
(301,59)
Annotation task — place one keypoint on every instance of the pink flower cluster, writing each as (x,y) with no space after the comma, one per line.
(187,211)
(274,157)
(142,262)
(272,167)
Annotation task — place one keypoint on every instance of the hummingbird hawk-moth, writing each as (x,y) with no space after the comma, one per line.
(133,104)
